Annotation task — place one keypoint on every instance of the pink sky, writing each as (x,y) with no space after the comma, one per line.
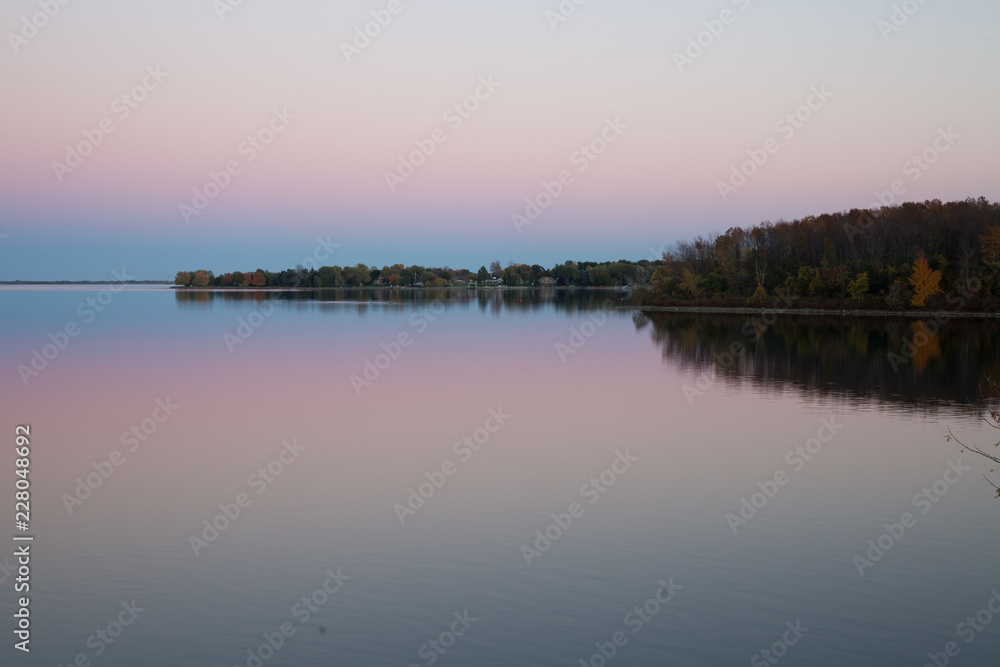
(326,172)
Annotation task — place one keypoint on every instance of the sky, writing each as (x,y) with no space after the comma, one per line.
(153,137)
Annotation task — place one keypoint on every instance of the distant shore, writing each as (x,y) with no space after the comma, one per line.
(84,282)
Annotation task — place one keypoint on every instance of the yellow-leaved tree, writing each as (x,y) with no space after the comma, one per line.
(925,281)
(690,282)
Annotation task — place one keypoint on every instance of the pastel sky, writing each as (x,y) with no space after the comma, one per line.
(682,129)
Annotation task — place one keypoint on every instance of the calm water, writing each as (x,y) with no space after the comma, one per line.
(503,409)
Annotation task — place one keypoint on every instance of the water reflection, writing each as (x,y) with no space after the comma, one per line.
(495,300)
(894,360)
(900,361)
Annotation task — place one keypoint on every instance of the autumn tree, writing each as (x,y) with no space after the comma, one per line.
(925,281)
(200,279)
(858,287)
(662,280)
(495,268)
(259,279)
(690,282)
(759,297)
(183,278)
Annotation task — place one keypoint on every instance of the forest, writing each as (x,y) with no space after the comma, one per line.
(930,255)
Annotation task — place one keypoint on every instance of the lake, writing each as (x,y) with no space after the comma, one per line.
(523,477)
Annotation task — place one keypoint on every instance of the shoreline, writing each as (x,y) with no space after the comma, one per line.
(817,312)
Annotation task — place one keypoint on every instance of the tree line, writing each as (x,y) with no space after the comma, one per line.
(913,255)
(570,273)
